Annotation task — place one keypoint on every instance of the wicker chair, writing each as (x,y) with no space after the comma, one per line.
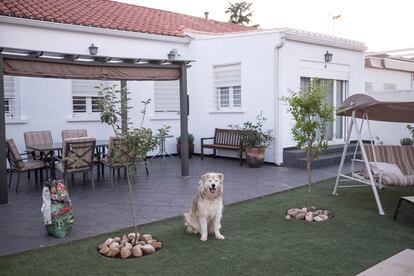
(114,160)
(73,133)
(37,138)
(19,164)
(77,157)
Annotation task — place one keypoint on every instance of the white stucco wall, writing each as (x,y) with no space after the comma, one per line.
(386,132)
(301,59)
(255,52)
(46,104)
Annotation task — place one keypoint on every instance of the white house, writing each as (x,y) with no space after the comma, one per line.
(237,71)
(389,76)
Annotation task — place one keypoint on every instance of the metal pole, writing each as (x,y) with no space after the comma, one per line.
(3,168)
(184,120)
(124,108)
(368,168)
(348,138)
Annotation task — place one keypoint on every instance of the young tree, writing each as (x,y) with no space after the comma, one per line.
(238,12)
(133,144)
(311,113)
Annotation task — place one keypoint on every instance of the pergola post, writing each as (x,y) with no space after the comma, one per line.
(184,120)
(124,109)
(3,169)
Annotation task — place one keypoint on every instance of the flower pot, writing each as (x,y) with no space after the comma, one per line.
(255,157)
(190,150)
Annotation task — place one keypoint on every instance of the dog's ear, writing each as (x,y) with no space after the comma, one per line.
(204,177)
(221,177)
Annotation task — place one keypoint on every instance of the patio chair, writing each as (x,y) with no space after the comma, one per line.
(74,133)
(18,164)
(114,160)
(37,138)
(77,157)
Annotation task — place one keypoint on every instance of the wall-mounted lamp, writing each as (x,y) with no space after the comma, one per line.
(93,50)
(172,54)
(328,57)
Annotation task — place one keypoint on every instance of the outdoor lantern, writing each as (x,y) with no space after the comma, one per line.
(328,56)
(93,50)
(172,54)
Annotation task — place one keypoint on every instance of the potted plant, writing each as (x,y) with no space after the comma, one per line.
(190,145)
(254,141)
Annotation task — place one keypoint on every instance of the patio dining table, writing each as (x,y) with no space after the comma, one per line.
(49,150)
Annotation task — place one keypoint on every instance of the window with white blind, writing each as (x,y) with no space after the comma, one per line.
(368,86)
(11,98)
(166,97)
(85,97)
(390,86)
(227,87)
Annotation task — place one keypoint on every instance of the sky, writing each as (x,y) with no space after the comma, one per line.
(382,25)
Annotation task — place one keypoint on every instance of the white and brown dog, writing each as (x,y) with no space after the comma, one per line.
(206,211)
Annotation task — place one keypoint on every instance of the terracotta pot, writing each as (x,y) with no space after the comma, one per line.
(255,157)
(190,150)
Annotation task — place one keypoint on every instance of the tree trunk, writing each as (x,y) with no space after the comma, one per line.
(131,199)
(309,169)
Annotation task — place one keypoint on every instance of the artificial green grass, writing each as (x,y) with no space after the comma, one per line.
(258,241)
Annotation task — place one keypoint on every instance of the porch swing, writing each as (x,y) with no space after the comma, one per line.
(383,164)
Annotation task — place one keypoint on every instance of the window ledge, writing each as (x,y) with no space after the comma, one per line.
(164,117)
(16,121)
(226,111)
(84,119)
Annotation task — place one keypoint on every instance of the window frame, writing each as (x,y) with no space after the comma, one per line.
(234,91)
(89,112)
(13,99)
(157,89)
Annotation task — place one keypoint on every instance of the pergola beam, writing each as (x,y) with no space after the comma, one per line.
(3,168)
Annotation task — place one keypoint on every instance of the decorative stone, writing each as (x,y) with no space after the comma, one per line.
(113,252)
(117,239)
(128,245)
(316,213)
(323,217)
(136,251)
(156,244)
(327,213)
(146,237)
(125,252)
(317,218)
(148,249)
(300,216)
(104,250)
(288,217)
(293,212)
(108,241)
(131,236)
(309,216)
(141,243)
(101,246)
(113,245)
(313,208)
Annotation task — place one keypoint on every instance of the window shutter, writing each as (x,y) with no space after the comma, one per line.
(227,75)
(368,86)
(87,88)
(11,97)
(166,96)
(390,86)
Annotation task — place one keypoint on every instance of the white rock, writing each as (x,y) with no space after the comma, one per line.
(317,218)
(309,216)
(287,217)
(108,241)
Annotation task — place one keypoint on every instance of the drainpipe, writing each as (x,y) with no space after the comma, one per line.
(278,105)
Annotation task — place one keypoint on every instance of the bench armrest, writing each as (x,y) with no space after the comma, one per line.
(203,139)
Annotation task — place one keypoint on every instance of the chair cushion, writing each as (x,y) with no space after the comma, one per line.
(14,154)
(61,169)
(390,179)
(33,165)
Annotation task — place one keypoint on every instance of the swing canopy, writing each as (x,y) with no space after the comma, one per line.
(388,111)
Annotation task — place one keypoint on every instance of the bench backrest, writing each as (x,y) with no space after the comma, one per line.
(229,137)
(402,156)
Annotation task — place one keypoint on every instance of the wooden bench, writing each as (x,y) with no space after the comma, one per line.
(224,139)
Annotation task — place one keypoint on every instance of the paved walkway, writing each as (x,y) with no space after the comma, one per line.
(163,194)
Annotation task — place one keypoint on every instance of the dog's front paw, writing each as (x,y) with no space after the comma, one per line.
(203,238)
(219,237)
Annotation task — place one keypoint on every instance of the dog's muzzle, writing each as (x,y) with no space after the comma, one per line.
(213,188)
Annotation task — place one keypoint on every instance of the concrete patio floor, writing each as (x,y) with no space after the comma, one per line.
(162,194)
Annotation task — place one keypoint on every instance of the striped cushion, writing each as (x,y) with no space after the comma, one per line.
(391,179)
(402,156)
(33,165)
(37,138)
(14,154)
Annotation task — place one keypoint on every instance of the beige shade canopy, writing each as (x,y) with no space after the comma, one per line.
(106,71)
(377,110)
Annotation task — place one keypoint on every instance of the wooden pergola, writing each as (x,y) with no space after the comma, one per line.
(30,63)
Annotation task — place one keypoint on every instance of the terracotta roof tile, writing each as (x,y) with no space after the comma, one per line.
(114,15)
